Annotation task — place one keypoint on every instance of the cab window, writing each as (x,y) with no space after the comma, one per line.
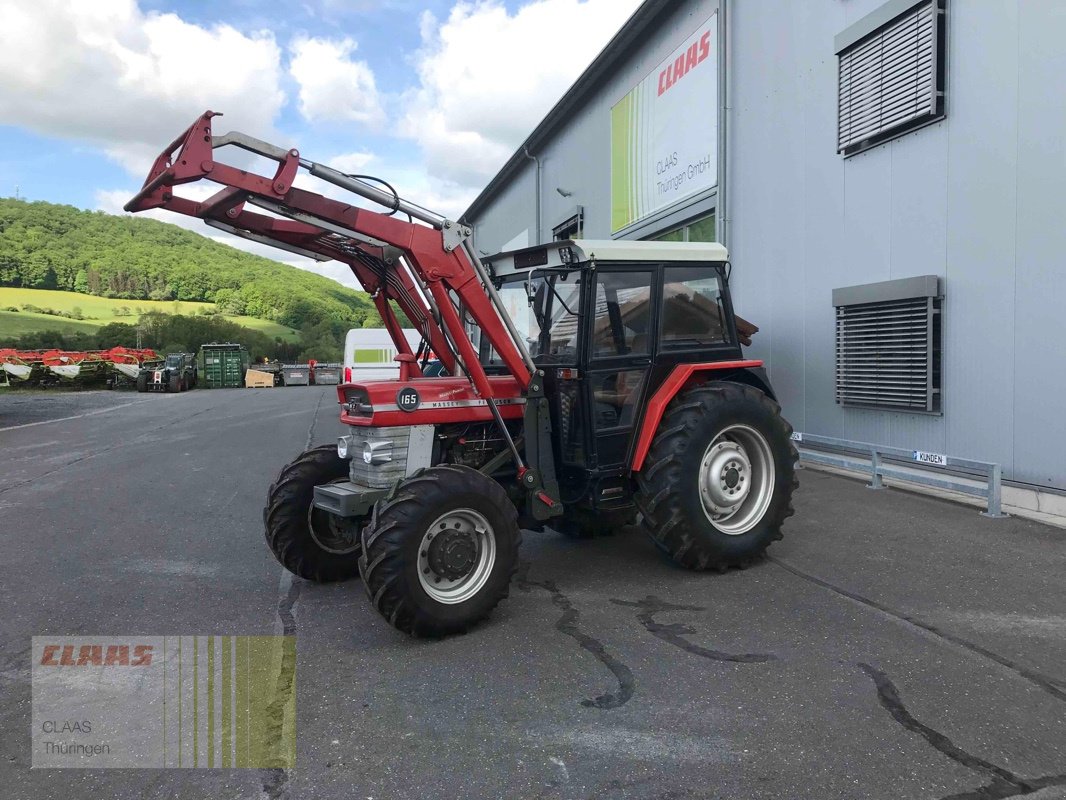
(622,316)
(693,309)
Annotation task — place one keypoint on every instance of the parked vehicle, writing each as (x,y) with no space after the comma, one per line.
(592,381)
(176,374)
(370,353)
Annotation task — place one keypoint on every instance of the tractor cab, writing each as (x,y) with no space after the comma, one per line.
(608,322)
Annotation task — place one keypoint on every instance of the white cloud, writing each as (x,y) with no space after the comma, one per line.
(351,162)
(107,73)
(333,86)
(410,181)
(488,77)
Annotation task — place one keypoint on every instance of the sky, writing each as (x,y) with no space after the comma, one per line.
(431,95)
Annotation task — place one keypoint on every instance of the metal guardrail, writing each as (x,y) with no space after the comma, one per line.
(992,491)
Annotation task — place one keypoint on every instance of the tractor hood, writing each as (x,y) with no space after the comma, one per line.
(426,401)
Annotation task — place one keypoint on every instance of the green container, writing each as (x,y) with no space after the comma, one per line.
(222,366)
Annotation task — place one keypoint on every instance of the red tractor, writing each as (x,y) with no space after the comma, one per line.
(585,384)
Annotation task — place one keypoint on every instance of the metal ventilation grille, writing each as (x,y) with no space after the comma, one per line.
(892,80)
(888,354)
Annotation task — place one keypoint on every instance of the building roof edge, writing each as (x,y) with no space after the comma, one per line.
(614,51)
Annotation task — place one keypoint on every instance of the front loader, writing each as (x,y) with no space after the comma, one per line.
(586,384)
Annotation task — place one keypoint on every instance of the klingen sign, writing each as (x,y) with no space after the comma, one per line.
(664,133)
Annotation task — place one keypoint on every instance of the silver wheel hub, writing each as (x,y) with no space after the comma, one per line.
(736,480)
(725,476)
(456,556)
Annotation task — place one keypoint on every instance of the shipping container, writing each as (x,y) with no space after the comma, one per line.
(223,366)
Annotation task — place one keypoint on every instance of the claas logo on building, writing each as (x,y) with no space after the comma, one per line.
(97,655)
(685,63)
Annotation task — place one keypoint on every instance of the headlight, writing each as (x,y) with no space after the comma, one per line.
(377,452)
(343,443)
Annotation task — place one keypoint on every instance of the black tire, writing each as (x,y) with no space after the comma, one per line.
(173,384)
(584,523)
(670,495)
(392,550)
(288,519)
(142,382)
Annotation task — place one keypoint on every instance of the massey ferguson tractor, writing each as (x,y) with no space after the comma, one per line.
(586,384)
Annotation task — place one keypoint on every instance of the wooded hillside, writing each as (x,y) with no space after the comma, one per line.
(48,246)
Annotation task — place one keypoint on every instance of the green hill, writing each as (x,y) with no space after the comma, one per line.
(71,312)
(56,247)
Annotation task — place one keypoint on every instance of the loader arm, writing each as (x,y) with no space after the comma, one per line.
(425,264)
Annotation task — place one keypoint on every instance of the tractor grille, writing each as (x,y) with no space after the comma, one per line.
(379,476)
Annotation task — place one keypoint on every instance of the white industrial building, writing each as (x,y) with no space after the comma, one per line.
(887,177)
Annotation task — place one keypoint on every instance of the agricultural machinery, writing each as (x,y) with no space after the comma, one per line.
(587,383)
(46,367)
(175,374)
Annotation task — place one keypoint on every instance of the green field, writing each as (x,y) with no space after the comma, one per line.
(98,311)
(12,324)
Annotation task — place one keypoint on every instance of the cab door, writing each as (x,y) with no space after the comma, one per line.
(620,336)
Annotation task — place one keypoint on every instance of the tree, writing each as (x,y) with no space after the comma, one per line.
(44,245)
(116,334)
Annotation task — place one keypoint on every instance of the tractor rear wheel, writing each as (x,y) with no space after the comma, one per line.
(717,483)
(308,541)
(440,550)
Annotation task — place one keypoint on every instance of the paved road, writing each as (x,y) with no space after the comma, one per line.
(895,646)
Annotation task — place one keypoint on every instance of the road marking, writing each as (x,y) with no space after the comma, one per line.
(76,416)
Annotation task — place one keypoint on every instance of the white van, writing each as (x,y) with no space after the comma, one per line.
(369,354)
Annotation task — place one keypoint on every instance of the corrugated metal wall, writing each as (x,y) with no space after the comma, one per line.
(975,199)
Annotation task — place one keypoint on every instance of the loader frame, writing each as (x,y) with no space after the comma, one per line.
(425,264)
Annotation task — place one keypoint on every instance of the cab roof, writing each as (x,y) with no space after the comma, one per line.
(562,253)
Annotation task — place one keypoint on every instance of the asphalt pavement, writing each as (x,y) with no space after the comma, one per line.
(892,646)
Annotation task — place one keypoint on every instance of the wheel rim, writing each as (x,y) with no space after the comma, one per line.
(456,556)
(333,534)
(736,480)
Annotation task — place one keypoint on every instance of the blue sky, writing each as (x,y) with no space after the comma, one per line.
(432,95)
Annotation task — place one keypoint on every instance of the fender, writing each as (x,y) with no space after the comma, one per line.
(665,393)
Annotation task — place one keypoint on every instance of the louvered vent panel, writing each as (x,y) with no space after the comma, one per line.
(888,354)
(890,81)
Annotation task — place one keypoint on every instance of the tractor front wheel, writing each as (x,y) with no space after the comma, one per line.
(142,382)
(717,483)
(308,541)
(440,550)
